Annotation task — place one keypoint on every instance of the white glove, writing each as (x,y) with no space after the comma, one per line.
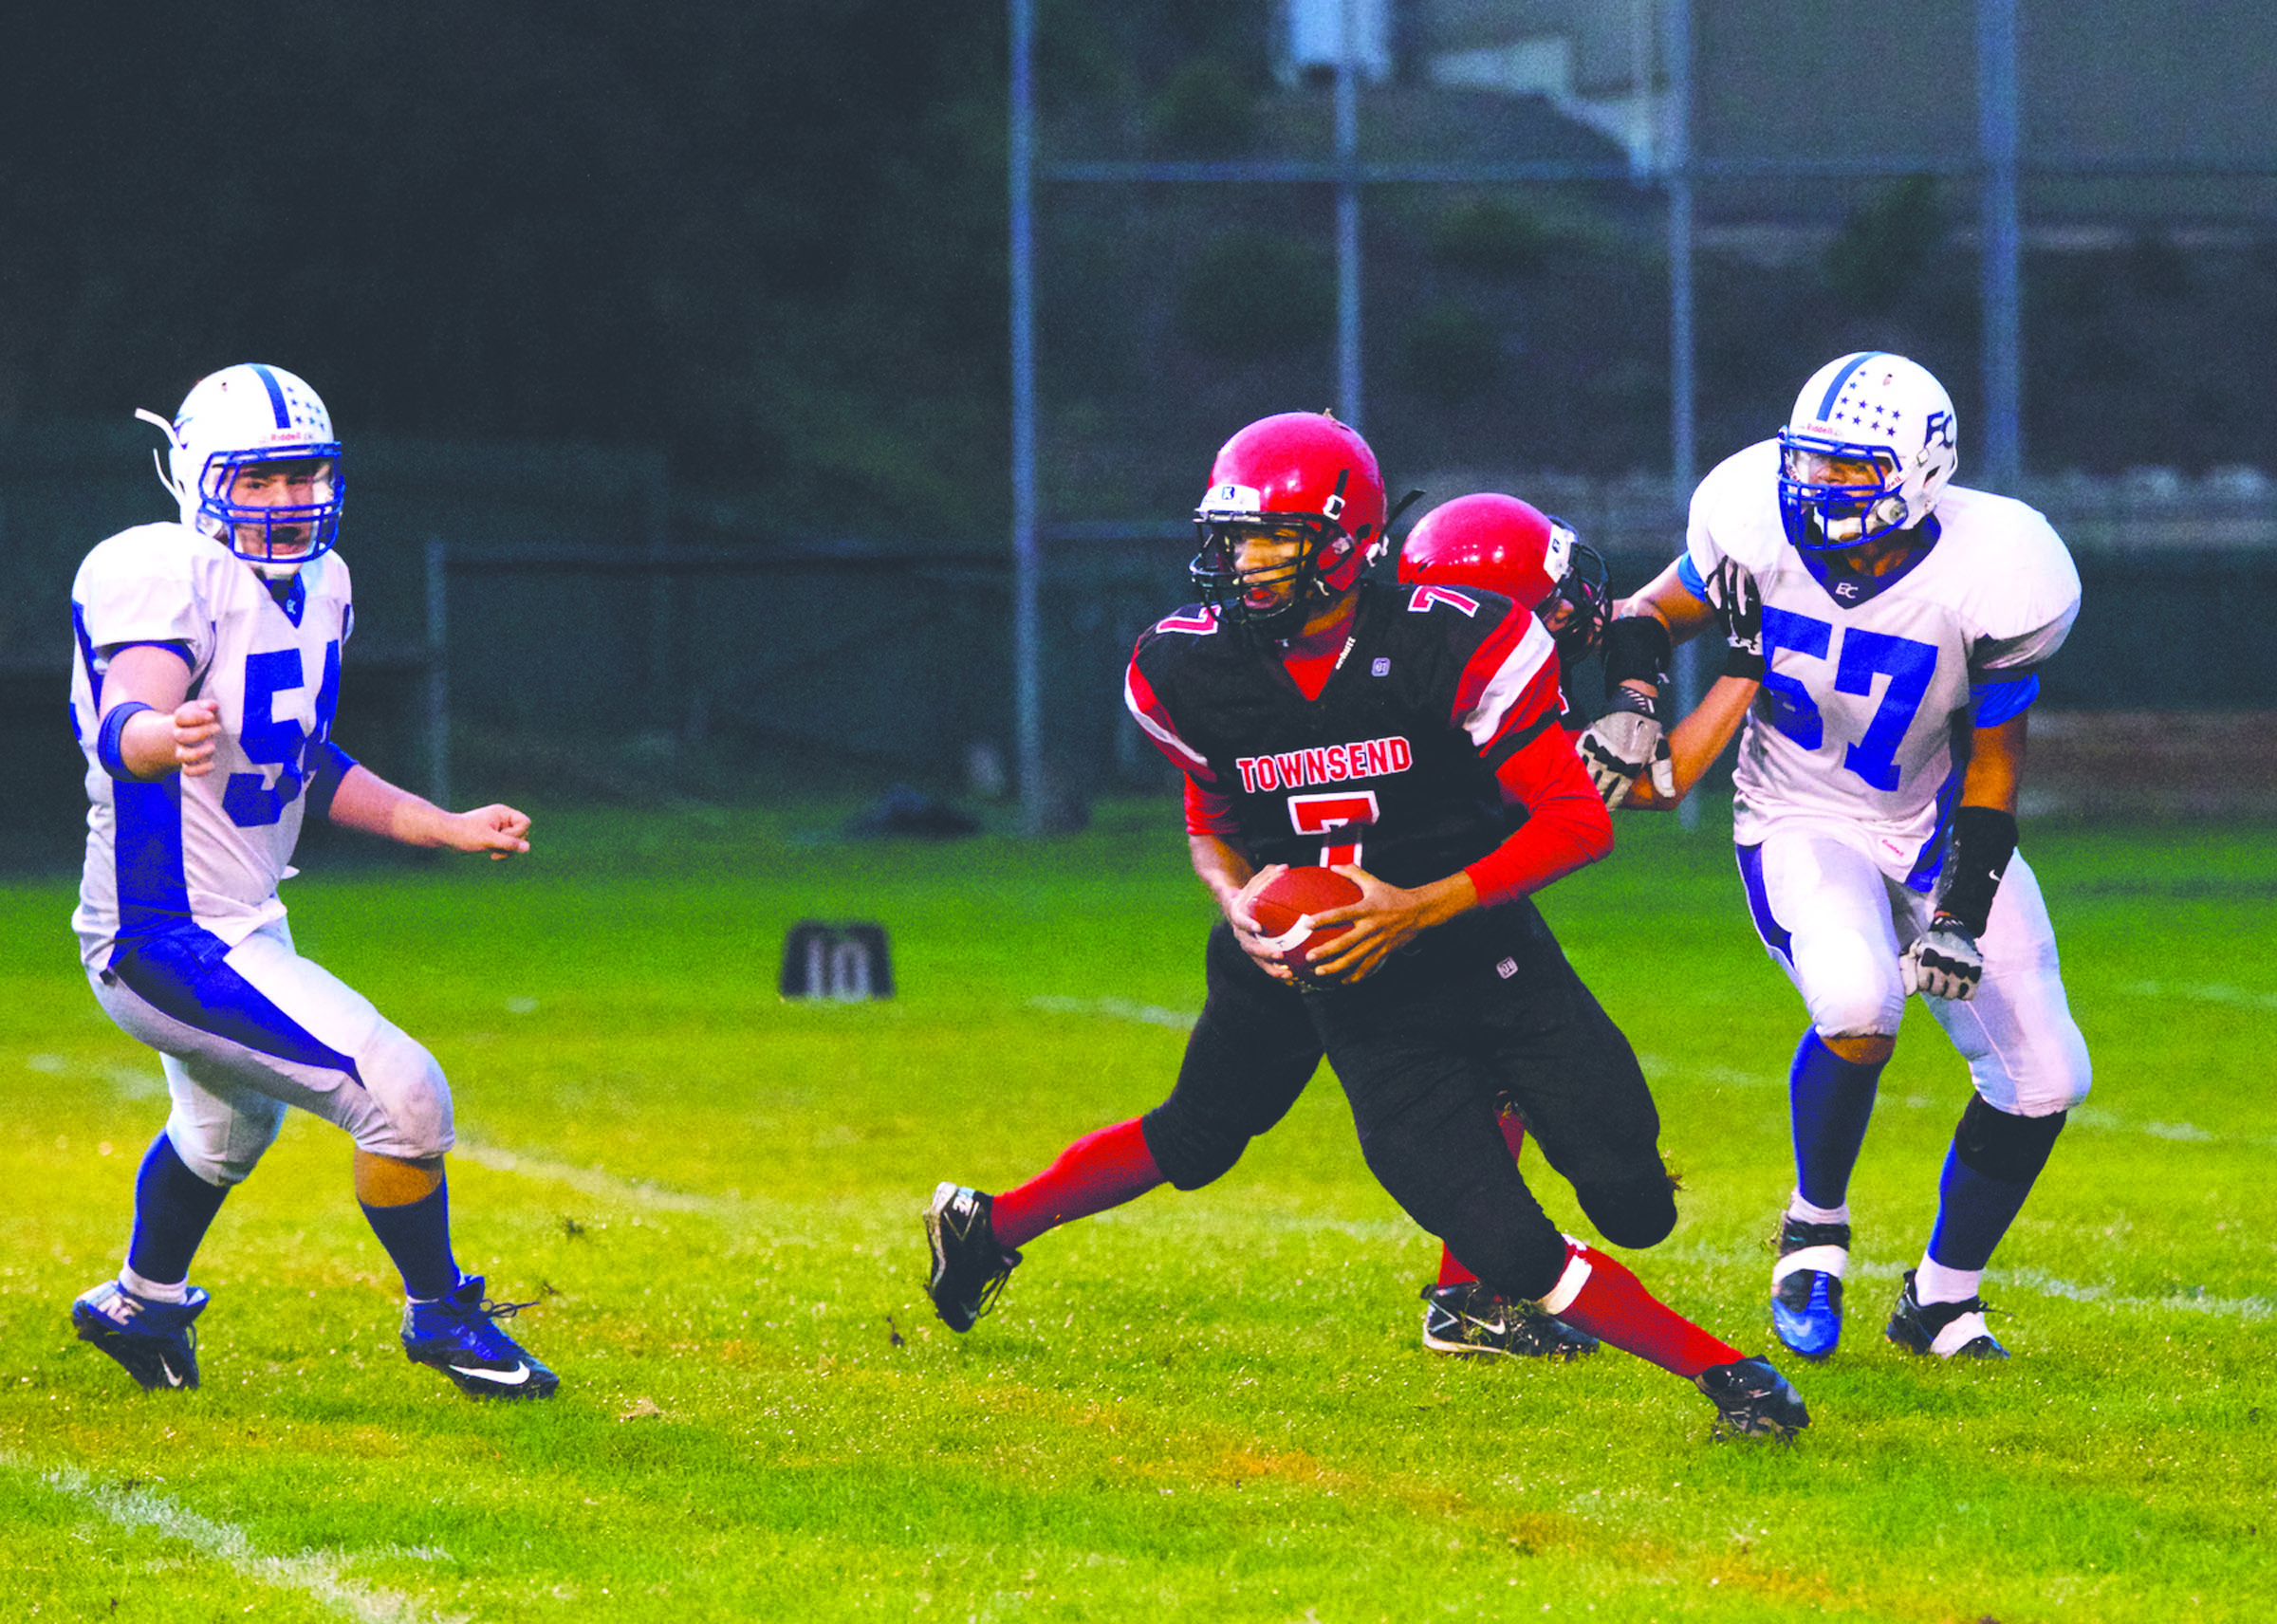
(1943,962)
(1617,749)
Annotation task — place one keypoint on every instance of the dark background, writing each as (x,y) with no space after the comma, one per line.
(723,275)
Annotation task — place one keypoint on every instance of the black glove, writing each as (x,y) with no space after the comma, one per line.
(1738,603)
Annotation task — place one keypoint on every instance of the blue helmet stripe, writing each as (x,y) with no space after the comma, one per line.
(276,395)
(1834,390)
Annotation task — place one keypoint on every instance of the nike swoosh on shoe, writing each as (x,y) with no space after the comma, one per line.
(515,1377)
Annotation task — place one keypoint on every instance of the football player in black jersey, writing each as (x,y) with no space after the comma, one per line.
(1383,730)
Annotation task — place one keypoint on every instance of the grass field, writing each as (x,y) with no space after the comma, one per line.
(1206,1406)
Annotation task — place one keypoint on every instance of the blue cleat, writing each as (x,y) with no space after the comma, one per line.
(458,1335)
(156,1342)
(1806,1285)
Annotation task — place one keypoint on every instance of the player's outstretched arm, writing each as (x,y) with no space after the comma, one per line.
(367,802)
(1627,743)
(1695,741)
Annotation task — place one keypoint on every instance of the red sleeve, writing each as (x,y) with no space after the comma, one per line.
(1567,826)
(1209,812)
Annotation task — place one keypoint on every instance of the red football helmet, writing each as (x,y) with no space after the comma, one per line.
(1301,471)
(1512,548)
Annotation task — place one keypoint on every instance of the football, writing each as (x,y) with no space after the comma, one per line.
(1282,906)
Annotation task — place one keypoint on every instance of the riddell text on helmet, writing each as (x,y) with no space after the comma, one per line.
(1332,764)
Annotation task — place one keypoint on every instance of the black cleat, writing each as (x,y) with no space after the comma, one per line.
(1949,1330)
(156,1342)
(1471,1322)
(969,1267)
(1753,1399)
(1806,1285)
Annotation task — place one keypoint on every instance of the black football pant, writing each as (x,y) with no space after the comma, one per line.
(1486,1009)
(1442,1039)
(1251,1055)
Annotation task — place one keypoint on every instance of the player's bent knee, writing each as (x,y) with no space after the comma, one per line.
(1635,1213)
(224,1150)
(1191,1153)
(1999,1145)
(413,1096)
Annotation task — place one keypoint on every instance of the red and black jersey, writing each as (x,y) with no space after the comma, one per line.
(1394,765)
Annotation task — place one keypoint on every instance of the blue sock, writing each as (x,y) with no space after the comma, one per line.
(1973,1212)
(417,1238)
(1832,1100)
(173,1208)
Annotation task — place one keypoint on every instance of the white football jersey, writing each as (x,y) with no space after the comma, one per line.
(1867,681)
(210,850)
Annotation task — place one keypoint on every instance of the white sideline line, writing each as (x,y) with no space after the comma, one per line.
(2203,992)
(315,1576)
(2032,1279)
(1118,1009)
(596,1182)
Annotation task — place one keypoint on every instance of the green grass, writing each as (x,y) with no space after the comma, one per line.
(1208,1406)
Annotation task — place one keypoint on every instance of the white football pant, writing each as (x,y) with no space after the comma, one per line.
(1836,922)
(282,1031)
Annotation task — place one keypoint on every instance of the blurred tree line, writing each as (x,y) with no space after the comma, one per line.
(769,240)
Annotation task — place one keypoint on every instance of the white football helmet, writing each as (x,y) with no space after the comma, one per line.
(1873,408)
(236,419)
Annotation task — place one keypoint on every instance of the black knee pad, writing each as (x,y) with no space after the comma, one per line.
(1993,1142)
(1634,1214)
(1191,1149)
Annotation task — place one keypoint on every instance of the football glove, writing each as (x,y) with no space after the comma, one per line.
(1623,744)
(1738,603)
(1944,962)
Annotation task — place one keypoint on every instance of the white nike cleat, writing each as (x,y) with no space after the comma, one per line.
(458,1335)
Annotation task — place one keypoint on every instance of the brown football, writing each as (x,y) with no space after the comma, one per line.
(1291,897)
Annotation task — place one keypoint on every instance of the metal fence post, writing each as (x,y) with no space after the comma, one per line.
(438,674)
(1682,457)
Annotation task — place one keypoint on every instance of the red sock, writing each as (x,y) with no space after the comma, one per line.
(1099,1171)
(1612,1303)
(1451,1271)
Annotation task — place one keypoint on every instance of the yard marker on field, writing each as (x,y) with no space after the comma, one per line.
(317,1576)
